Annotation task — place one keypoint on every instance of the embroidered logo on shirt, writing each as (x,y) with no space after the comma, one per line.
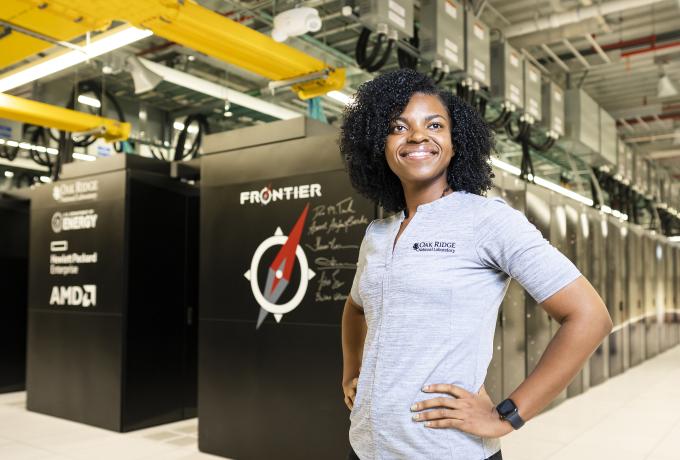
(437,246)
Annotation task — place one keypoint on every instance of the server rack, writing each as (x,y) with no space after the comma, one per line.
(577,251)
(669,301)
(112,307)
(599,360)
(512,311)
(538,328)
(615,242)
(14,216)
(558,238)
(650,274)
(250,357)
(493,383)
(635,288)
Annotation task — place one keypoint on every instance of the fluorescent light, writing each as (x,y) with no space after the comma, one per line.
(2,141)
(83,156)
(91,101)
(674,239)
(9,174)
(52,151)
(45,179)
(542,182)
(108,41)
(505,166)
(13,143)
(340,97)
(563,191)
(179,126)
(218,91)
(25,145)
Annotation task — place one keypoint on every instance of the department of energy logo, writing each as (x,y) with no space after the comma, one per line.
(280,271)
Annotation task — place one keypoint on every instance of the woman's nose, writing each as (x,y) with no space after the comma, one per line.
(418,135)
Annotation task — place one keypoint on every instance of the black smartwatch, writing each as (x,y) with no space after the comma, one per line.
(508,411)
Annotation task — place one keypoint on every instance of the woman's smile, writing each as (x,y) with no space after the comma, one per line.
(419,153)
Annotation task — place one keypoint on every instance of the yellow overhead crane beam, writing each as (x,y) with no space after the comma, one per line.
(191,25)
(38,17)
(50,116)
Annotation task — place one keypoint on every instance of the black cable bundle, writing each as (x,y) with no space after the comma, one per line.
(527,166)
(369,62)
(438,74)
(37,135)
(406,60)
(498,123)
(9,153)
(181,139)
(87,86)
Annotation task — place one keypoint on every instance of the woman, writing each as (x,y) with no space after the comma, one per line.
(418,326)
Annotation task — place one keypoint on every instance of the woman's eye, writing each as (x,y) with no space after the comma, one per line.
(436,125)
(398,128)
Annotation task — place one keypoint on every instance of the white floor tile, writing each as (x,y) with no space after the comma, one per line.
(632,416)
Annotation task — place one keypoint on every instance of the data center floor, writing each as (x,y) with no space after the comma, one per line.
(633,416)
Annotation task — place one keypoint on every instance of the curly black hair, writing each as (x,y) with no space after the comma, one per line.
(366,125)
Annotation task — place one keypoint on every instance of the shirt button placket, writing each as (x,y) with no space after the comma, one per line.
(389,258)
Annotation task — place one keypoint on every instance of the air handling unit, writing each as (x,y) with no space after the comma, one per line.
(393,15)
(583,125)
(552,102)
(607,138)
(532,91)
(477,50)
(507,71)
(442,34)
(624,161)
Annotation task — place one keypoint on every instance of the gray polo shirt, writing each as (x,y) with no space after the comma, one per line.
(431,309)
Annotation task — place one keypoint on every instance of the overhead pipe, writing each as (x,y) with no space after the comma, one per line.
(556,20)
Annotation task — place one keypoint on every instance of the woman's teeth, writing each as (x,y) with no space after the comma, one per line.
(417,155)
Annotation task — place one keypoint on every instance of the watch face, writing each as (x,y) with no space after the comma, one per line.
(506,407)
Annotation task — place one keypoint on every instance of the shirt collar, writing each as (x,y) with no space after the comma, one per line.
(435,204)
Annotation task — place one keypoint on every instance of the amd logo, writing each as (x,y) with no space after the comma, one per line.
(74,296)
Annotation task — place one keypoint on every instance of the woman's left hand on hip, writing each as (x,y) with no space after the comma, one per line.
(473,413)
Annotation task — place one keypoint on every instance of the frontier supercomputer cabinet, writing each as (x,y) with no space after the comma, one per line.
(112,303)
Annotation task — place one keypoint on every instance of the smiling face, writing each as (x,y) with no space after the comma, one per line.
(418,148)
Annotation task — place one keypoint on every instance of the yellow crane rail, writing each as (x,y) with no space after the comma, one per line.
(50,116)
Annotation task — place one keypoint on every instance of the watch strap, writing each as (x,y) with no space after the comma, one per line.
(511,416)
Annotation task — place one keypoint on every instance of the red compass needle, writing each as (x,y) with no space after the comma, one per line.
(281,268)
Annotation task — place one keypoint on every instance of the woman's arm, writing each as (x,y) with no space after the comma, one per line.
(353,336)
(585,323)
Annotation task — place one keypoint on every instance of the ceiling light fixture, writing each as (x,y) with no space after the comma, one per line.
(666,87)
(102,44)
(83,156)
(543,182)
(340,97)
(91,101)
(217,91)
